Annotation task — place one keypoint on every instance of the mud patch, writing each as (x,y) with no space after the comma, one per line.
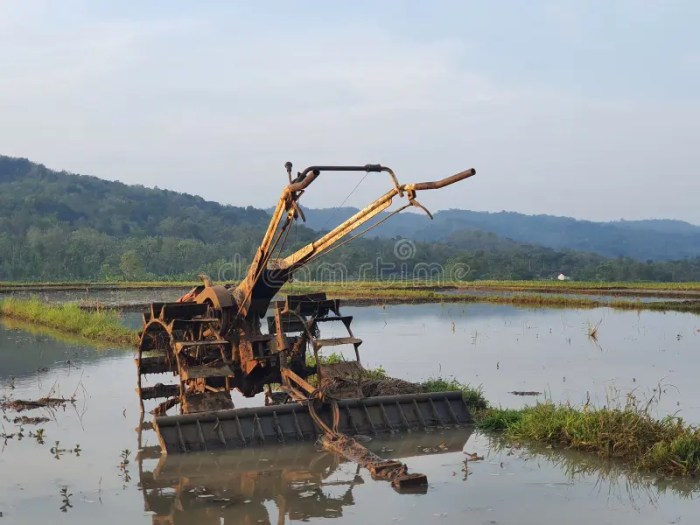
(344,386)
(18,405)
(525,393)
(26,420)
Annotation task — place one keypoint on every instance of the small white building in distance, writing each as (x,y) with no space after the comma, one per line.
(563,277)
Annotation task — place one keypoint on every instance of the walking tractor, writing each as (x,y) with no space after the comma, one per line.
(220,337)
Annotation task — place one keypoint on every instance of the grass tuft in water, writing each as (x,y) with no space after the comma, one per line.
(629,433)
(97,325)
(474,397)
(499,419)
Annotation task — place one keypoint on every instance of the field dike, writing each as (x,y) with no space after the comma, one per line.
(536,295)
(681,296)
(101,326)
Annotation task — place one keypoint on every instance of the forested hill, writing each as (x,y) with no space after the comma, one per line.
(59,226)
(642,240)
(34,196)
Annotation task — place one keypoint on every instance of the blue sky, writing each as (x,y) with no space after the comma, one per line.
(587,109)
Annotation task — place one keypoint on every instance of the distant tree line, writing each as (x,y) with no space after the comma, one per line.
(58,254)
(59,226)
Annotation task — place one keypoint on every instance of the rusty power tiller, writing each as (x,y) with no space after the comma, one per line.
(214,340)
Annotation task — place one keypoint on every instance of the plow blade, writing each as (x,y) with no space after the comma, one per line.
(292,422)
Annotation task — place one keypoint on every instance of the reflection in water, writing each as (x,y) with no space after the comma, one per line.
(267,484)
(615,478)
(290,483)
(65,499)
(44,349)
(29,351)
(545,350)
(234,488)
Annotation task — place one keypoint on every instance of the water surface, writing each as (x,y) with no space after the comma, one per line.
(499,347)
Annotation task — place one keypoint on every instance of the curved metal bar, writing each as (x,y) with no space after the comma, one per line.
(314,171)
(434,185)
(307,179)
(366,167)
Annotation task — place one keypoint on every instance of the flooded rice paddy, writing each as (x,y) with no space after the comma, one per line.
(632,296)
(89,464)
(111,297)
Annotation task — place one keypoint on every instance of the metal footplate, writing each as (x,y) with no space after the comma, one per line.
(247,427)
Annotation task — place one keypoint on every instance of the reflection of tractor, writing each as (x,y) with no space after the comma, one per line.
(213,341)
(242,486)
(213,489)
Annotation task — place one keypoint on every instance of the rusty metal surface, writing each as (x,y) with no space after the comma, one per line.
(390,470)
(292,422)
(211,341)
(434,185)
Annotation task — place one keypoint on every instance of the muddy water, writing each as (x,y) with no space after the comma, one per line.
(505,349)
(500,347)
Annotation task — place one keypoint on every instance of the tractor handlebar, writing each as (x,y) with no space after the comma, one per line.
(434,185)
(306,177)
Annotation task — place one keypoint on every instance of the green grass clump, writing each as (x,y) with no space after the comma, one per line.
(368,374)
(97,325)
(330,359)
(679,455)
(627,433)
(375,374)
(474,397)
(498,419)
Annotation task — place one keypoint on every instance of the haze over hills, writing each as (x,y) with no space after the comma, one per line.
(62,226)
(642,240)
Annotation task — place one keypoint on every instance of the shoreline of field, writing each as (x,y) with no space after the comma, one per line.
(635,288)
(682,297)
(100,326)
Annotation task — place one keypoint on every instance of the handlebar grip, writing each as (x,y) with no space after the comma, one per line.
(307,179)
(434,185)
